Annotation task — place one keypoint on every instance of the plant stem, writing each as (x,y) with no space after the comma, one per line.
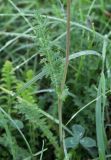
(67,45)
(60,121)
(60,101)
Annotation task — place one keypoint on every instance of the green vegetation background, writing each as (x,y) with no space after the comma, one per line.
(28,30)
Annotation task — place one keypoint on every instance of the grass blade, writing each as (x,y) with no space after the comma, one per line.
(99,122)
(83,53)
(33,80)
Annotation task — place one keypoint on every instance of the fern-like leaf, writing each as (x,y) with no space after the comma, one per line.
(32,114)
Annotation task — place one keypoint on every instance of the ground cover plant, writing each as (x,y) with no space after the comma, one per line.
(55,80)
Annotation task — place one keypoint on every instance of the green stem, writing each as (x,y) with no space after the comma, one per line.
(60,121)
(60,101)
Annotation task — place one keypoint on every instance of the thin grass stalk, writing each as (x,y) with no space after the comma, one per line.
(60,101)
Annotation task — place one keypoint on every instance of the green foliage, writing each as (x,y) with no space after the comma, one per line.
(32,114)
(27,94)
(8,77)
(73,142)
(100,119)
(8,81)
(4,141)
(52,57)
(28,108)
(32,57)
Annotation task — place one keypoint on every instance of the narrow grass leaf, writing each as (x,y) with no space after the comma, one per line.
(103,84)
(33,80)
(99,124)
(84,53)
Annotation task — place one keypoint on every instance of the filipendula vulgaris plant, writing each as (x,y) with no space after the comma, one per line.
(55,66)
(28,107)
(8,87)
(29,97)
(8,81)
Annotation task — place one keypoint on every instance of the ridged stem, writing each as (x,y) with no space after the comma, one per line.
(60,101)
